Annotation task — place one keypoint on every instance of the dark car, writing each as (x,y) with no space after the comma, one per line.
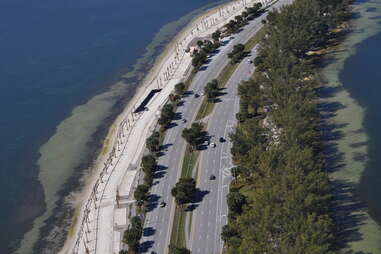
(212,177)
(222,139)
(196,95)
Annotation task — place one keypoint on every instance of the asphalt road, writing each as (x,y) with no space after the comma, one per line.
(157,227)
(210,214)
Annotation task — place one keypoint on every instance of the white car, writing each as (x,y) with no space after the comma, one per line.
(213,145)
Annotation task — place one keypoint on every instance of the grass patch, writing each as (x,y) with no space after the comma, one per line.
(189,162)
(179,221)
(205,109)
(254,40)
(178,229)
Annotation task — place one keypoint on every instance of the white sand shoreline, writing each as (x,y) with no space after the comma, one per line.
(172,62)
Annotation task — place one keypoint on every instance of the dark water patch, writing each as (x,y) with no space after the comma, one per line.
(362,78)
(372,9)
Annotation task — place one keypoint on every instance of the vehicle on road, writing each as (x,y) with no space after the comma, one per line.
(184,120)
(222,139)
(163,204)
(250,61)
(231,37)
(212,177)
(202,93)
(213,145)
(196,95)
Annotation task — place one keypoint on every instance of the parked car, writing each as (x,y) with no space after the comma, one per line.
(162,204)
(212,177)
(213,145)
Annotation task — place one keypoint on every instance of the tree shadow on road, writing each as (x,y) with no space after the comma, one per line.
(145,246)
(153,200)
(148,231)
(199,195)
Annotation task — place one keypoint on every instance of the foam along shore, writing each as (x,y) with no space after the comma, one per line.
(99,224)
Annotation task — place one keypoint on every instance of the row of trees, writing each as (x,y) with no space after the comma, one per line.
(205,48)
(149,166)
(149,163)
(133,234)
(280,199)
(234,25)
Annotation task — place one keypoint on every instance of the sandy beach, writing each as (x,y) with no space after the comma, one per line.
(117,165)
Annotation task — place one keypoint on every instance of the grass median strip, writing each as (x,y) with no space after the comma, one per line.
(190,159)
(178,230)
(191,156)
(207,107)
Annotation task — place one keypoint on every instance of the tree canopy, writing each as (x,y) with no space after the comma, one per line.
(167,114)
(193,134)
(184,190)
(212,90)
(280,199)
(133,234)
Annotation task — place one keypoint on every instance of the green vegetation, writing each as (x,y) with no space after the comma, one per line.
(239,21)
(189,162)
(237,54)
(184,190)
(167,114)
(178,250)
(183,193)
(191,154)
(280,198)
(133,234)
(178,227)
(180,88)
(206,106)
(193,134)
(141,193)
(212,90)
(153,142)
(205,48)
(216,36)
